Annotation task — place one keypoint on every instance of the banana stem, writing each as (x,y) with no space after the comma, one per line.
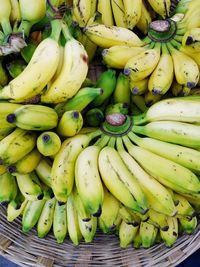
(95,134)
(56,27)
(139,119)
(66,32)
(25,27)
(103,141)
(127,142)
(178,38)
(174,44)
(5,24)
(112,141)
(133,137)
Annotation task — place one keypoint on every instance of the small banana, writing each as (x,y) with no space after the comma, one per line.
(107,36)
(15,15)
(5,109)
(116,108)
(170,236)
(133,12)
(188,225)
(121,93)
(45,221)
(129,217)
(88,229)
(16,145)
(94,117)
(43,171)
(118,55)
(70,123)
(8,188)
(127,232)
(34,117)
(191,39)
(5,16)
(150,98)
(16,207)
(184,209)
(60,222)
(48,143)
(139,87)
(159,220)
(30,186)
(137,241)
(148,234)
(88,181)
(119,13)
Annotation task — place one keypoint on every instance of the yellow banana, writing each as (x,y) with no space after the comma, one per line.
(148,234)
(104,7)
(145,19)
(15,15)
(133,11)
(118,13)
(8,188)
(43,170)
(5,109)
(88,229)
(170,236)
(82,11)
(127,232)
(162,7)
(60,222)
(48,143)
(139,87)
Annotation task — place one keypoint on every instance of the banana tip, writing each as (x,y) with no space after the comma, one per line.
(11,118)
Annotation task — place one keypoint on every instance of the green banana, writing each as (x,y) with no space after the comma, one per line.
(188,225)
(34,117)
(148,234)
(94,117)
(15,67)
(170,236)
(121,93)
(8,188)
(117,108)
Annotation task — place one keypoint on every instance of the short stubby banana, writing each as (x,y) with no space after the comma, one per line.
(72,75)
(107,36)
(88,181)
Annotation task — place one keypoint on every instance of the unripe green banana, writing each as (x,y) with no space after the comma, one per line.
(188,225)
(80,101)
(88,228)
(148,234)
(8,188)
(137,241)
(110,209)
(60,222)
(122,92)
(29,186)
(48,143)
(176,132)
(107,81)
(43,171)
(16,207)
(15,67)
(127,232)
(129,217)
(27,164)
(88,181)
(46,218)
(16,145)
(184,209)
(70,123)
(31,214)
(94,117)
(34,117)
(167,172)
(72,222)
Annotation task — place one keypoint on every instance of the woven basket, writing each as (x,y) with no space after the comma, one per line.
(29,250)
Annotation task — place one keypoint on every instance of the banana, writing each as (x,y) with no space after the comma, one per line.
(118,55)
(8,188)
(27,164)
(93,7)
(150,98)
(107,36)
(137,241)
(181,133)
(133,11)
(60,222)
(104,7)
(43,171)
(128,217)
(162,77)
(191,40)
(70,123)
(184,209)
(33,79)
(15,15)
(45,221)
(148,234)
(31,214)
(139,101)
(170,236)
(162,7)
(110,209)
(72,74)
(159,220)
(173,109)
(187,157)
(48,143)
(82,11)
(157,195)
(16,145)
(139,87)
(94,117)
(62,173)
(118,13)
(82,211)
(185,68)
(88,229)
(188,225)
(16,207)
(80,101)
(4,16)
(119,181)
(107,81)
(145,19)
(88,181)
(121,93)
(5,109)
(72,222)
(3,74)
(34,117)
(127,232)
(30,186)
(167,172)
(142,65)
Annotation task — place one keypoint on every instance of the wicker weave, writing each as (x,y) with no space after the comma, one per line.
(29,250)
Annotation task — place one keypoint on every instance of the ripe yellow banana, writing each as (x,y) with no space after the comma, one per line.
(15,15)
(4,16)
(104,7)
(107,36)
(60,222)
(133,11)
(88,229)
(118,13)
(148,234)
(82,11)
(162,7)
(170,236)
(127,232)
(145,18)
(139,87)
(43,170)
(33,79)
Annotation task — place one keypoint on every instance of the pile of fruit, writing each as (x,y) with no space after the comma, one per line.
(120,154)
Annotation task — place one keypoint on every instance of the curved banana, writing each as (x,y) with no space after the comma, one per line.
(121,93)
(104,7)
(188,225)
(88,181)
(139,87)
(133,12)
(88,229)
(118,13)
(16,207)
(82,11)
(43,170)
(162,7)
(145,19)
